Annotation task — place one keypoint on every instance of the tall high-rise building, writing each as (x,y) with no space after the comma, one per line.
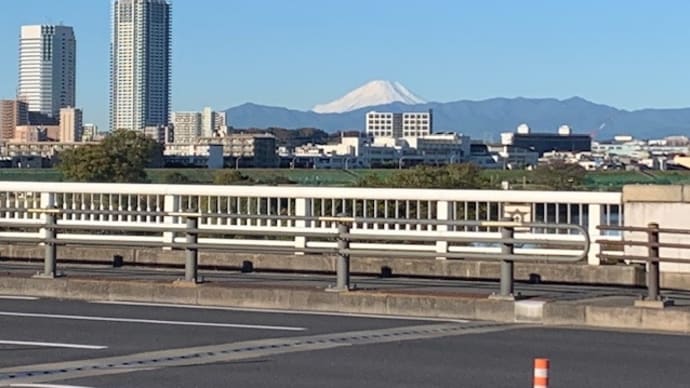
(47,68)
(13,113)
(140,64)
(207,116)
(71,125)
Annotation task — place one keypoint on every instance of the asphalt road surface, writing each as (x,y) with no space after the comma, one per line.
(48,342)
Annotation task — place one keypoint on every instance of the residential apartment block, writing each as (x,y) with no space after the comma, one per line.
(13,113)
(189,126)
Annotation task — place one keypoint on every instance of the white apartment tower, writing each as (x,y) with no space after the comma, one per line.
(47,68)
(212,122)
(140,64)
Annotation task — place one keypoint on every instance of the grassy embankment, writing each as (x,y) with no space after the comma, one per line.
(604,181)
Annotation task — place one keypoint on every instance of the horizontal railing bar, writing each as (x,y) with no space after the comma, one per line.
(461,255)
(350,236)
(181,228)
(180,245)
(644,229)
(345,219)
(490,240)
(646,244)
(28,225)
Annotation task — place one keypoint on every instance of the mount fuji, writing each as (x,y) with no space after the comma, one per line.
(374,93)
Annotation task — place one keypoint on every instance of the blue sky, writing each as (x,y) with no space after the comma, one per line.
(630,54)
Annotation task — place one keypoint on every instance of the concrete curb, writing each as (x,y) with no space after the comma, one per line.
(365,302)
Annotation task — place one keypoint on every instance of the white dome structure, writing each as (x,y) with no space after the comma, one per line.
(564,130)
(523,129)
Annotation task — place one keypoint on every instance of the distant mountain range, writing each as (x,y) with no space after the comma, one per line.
(479,119)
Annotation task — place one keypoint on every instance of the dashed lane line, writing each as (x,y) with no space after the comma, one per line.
(150,321)
(46,386)
(52,345)
(279,311)
(18,297)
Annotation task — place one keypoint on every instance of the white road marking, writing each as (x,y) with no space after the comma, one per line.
(298,312)
(52,345)
(17,297)
(46,386)
(150,321)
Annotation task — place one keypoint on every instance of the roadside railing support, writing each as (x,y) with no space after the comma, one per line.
(50,260)
(652,259)
(343,260)
(507,266)
(653,264)
(191,267)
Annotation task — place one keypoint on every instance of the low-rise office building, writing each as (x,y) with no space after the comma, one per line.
(398,125)
(244,150)
(513,158)
(449,147)
(562,141)
(44,149)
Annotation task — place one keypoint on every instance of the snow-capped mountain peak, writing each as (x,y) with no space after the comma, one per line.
(371,94)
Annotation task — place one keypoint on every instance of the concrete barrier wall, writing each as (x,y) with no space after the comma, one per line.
(559,273)
(668,206)
(382,303)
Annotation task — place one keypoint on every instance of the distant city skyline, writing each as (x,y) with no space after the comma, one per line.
(306,52)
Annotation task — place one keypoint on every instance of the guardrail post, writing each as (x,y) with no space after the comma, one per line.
(302,209)
(653,264)
(593,221)
(47,202)
(50,260)
(192,252)
(343,261)
(171,204)
(443,213)
(507,270)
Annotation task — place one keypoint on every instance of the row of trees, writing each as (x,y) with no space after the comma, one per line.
(553,176)
(121,157)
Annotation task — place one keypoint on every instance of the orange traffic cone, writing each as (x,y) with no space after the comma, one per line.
(541,373)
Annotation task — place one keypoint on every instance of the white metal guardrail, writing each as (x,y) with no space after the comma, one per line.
(387,214)
(338,242)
